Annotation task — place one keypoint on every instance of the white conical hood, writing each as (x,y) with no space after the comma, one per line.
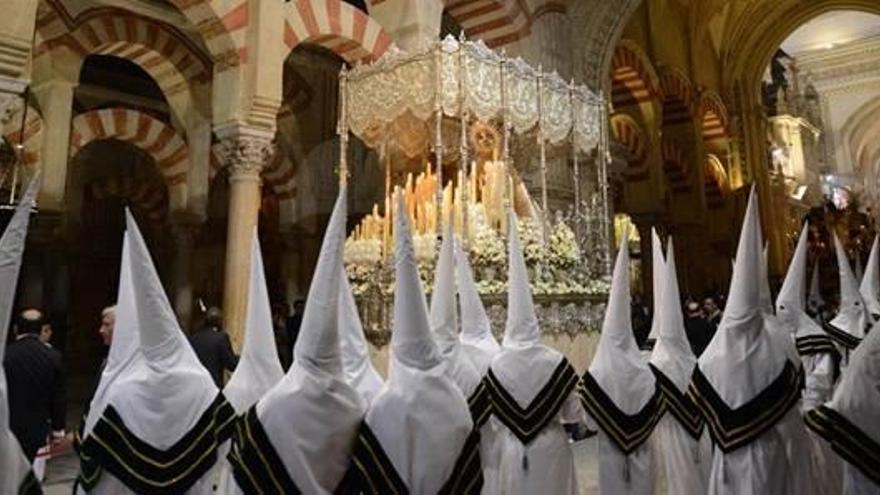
(478,342)
(522,328)
(766,299)
(160,397)
(312,415)
(791,301)
(870,285)
(420,417)
(814,299)
(411,342)
(851,317)
(124,347)
(792,295)
(672,353)
(742,359)
(258,369)
(13,463)
(356,363)
(443,316)
(617,365)
(158,324)
(444,321)
(658,269)
(857,397)
(317,346)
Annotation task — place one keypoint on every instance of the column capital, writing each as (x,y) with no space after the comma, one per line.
(10,103)
(245,150)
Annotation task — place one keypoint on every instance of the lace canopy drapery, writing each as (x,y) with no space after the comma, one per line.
(472,79)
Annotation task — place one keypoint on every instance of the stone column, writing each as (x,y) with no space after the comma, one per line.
(245,151)
(184,242)
(56,99)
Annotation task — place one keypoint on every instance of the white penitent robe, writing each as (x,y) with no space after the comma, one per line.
(633,474)
(110,485)
(545,466)
(678,452)
(762,466)
(826,464)
(856,483)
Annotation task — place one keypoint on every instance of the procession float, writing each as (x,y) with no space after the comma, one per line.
(451,125)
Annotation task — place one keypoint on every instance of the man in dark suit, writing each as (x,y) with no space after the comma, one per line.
(212,346)
(699,331)
(36,385)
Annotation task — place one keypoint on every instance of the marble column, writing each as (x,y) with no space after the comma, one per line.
(245,151)
(184,242)
(56,99)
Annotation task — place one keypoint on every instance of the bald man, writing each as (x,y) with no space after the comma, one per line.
(36,385)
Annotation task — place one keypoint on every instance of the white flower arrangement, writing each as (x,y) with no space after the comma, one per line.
(564,250)
(425,246)
(554,267)
(531,239)
(363,252)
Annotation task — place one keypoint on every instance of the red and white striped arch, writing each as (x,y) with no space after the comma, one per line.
(674,166)
(633,79)
(222,25)
(714,118)
(716,184)
(678,99)
(496,22)
(628,132)
(337,26)
(149,198)
(163,51)
(31,139)
(279,176)
(157,138)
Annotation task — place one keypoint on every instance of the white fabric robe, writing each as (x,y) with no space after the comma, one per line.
(856,483)
(639,467)
(828,466)
(550,460)
(676,451)
(764,466)
(14,464)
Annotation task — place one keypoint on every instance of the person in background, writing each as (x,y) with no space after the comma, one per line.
(698,329)
(711,311)
(105,331)
(641,319)
(293,323)
(280,311)
(44,453)
(35,384)
(212,346)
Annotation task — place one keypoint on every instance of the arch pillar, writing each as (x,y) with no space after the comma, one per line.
(245,151)
(16,35)
(184,233)
(55,97)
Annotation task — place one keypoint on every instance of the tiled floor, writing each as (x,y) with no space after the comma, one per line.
(62,471)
